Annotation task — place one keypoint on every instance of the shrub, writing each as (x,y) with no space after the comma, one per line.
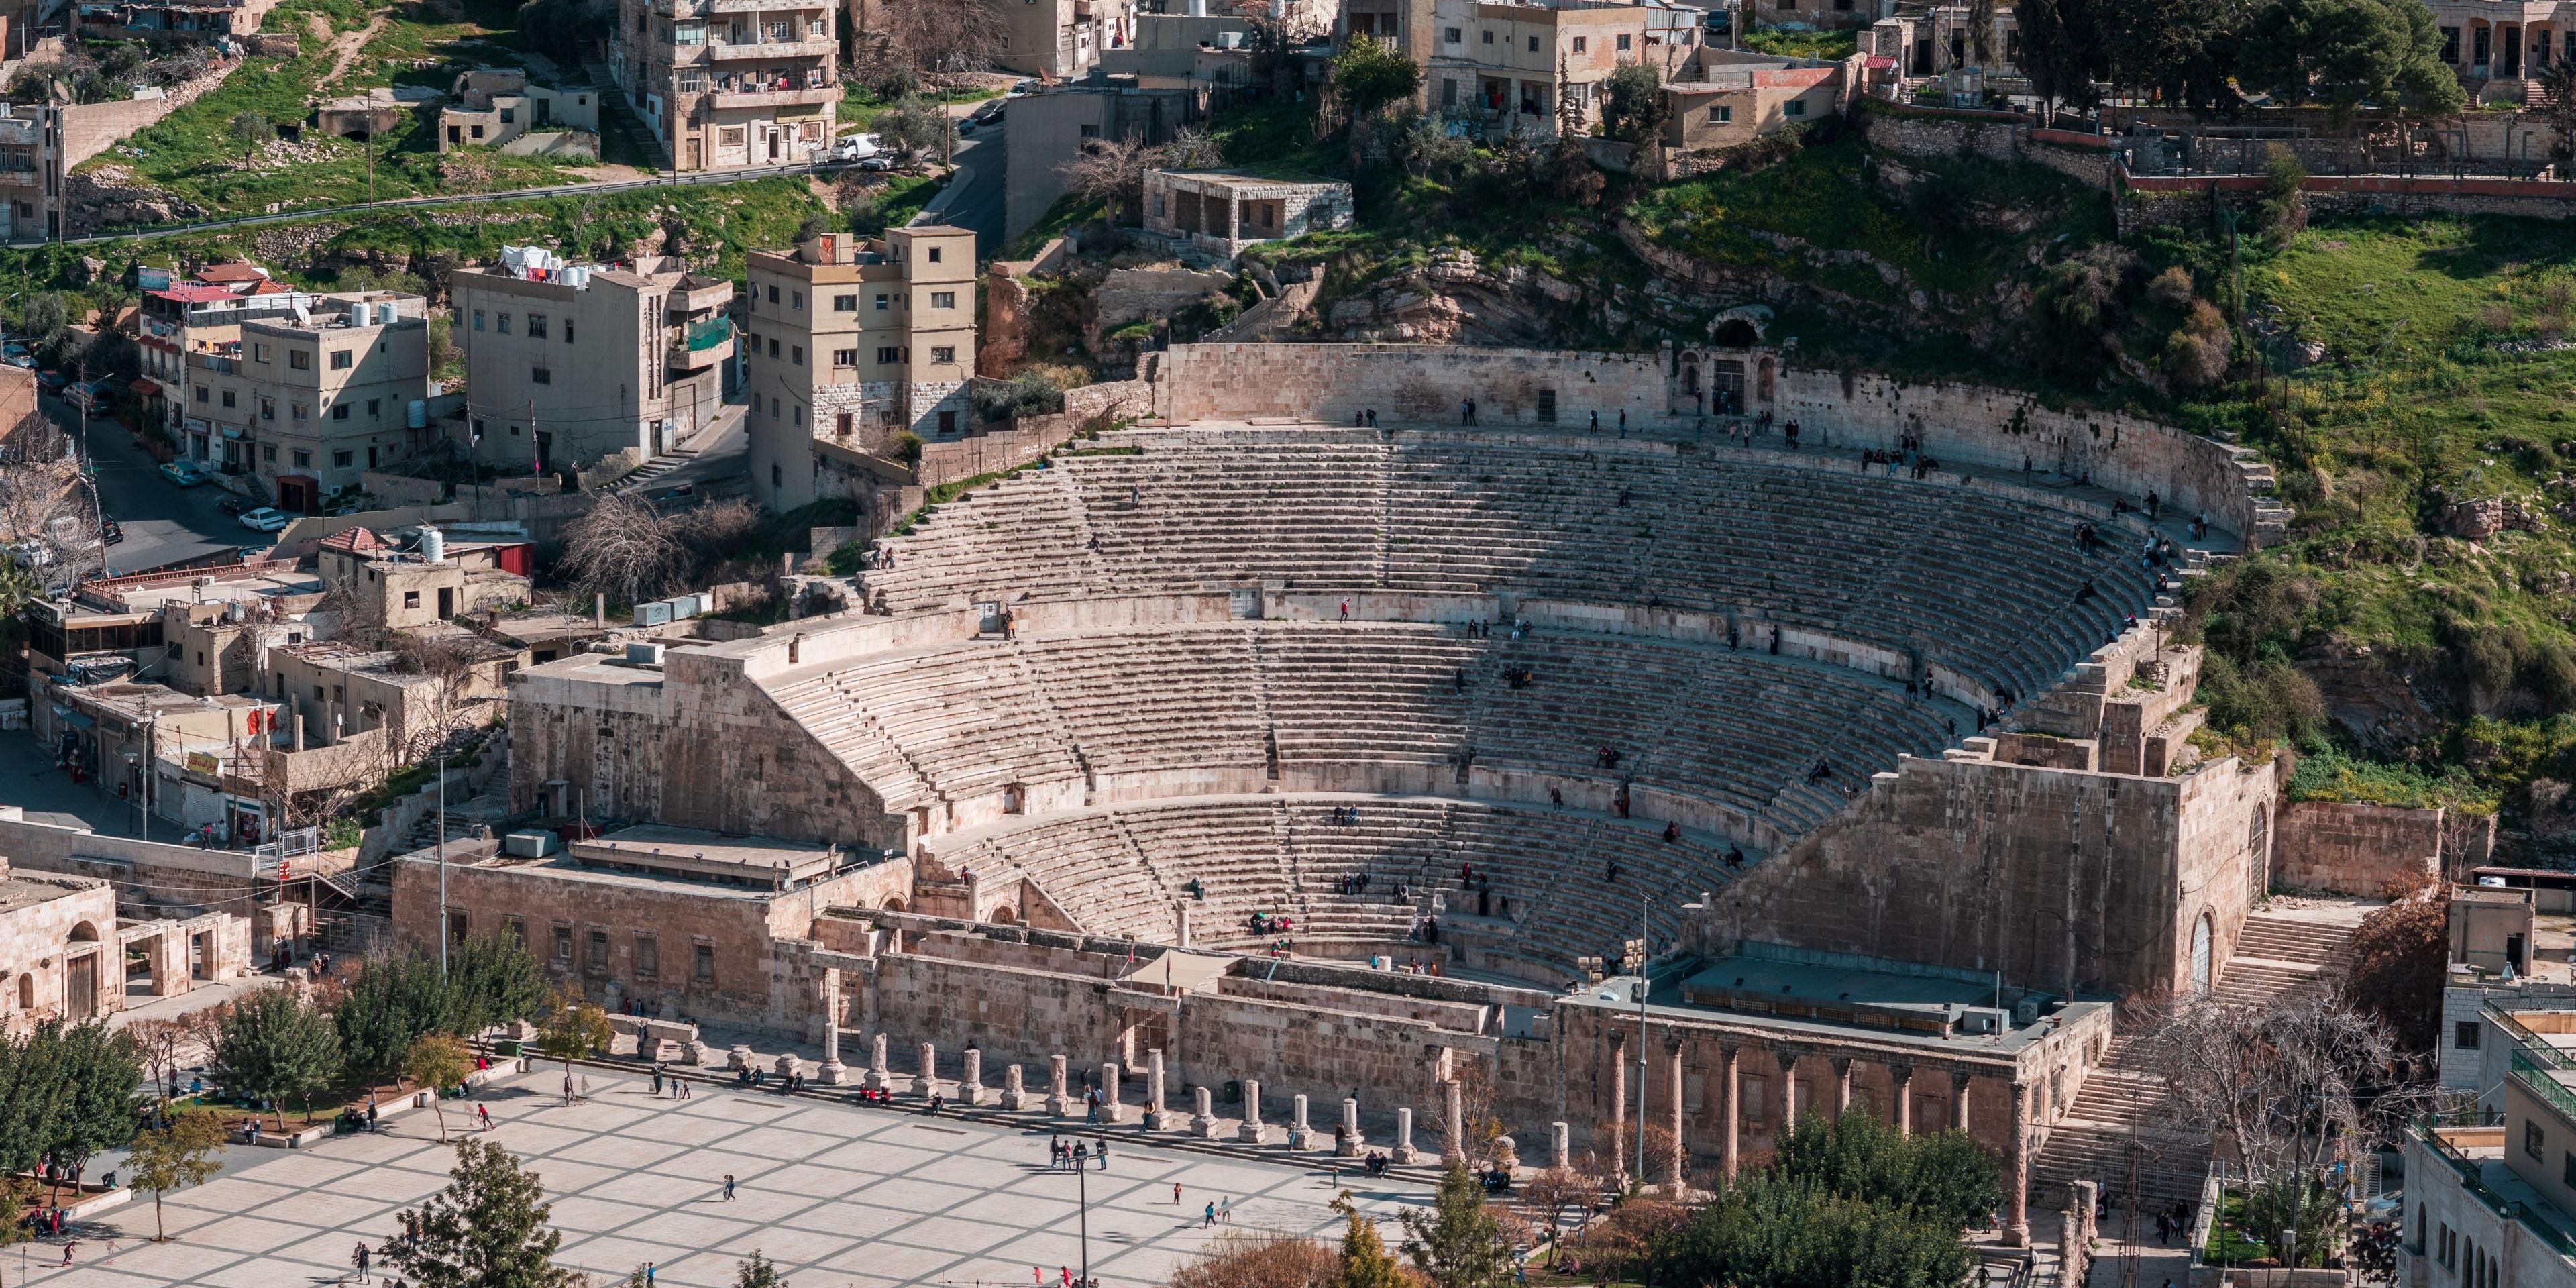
(1027,394)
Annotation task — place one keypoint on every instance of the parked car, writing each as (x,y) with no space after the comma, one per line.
(879,162)
(1021,89)
(254,552)
(184,472)
(31,554)
(266,519)
(16,355)
(52,381)
(109,530)
(854,147)
(232,504)
(96,397)
(992,110)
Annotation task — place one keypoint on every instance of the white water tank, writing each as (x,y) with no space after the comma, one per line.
(433,545)
(386,313)
(358,314)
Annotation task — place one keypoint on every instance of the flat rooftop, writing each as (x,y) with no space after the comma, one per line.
(1840,994)
(18,892)
(682,851)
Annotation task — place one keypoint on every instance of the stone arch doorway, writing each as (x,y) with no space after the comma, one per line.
(2258,851)
(1736,333)
(892,904)
(2201,949)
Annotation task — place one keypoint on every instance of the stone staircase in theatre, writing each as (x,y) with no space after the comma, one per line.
(2123,1105)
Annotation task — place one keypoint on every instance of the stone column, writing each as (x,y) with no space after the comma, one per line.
(738,1057)
(1252,1132)
(833,1073)
(1842,1085)
(1453,1123)
(1619,1108)
(970,1081)
(788,1065)
(1203,1122)
(1560,1148)
(1789,1105)
(1349,1145)
(2017,1170)
(1959,1102)
(1014,1093)
(1681,1148)
(927,1080)
(1057,1103)
(1404,1135)
(1110,1109)
(1301,1136)
(1157,1118)
(877,1078)
(1903,1076)
(1731,1093)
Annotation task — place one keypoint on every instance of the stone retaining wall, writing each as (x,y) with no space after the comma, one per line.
(2357,849)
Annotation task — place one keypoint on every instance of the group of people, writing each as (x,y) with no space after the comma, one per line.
(663,1080)
(1921,464)
(756,1077)
(1266,923)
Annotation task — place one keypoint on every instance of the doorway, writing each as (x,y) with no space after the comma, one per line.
(80,986)
(446,602)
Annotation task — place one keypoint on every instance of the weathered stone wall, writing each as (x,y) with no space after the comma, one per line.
(2350,848)
(2054,877)
(153,879)
(2187,200)
(1335,382)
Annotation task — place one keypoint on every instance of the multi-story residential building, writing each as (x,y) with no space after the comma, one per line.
(724,83)
(1060,39)
(31,173)
(568,364)
(2496,1204)
(1050,126)
(1723,97)
(316,397)
(848,340)
(1508,64)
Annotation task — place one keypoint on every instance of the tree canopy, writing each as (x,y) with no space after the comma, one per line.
(487,1229)
(275,1048)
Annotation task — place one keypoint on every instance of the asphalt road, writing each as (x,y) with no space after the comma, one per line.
(164,522)
(986,154)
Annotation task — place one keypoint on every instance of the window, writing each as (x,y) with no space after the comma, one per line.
(302,412)
(706,958)
(1623,41)
(943,299)
(1533,44)
(478,319)
(934,254)
(340,412)
(517,928)
(478,131)
(889,354)
(501,323)
(228,398)
(1721,115)
(541,375)
(796,300)
(259,352)
(340,460)
(773,346)
(882,297)
(2464,1035)
(268,452)
(800,415)
(1794,107)
(373,409)
(773,294)
(1488,37)
(777,477)
(599,950)
(648,958)
(567,330)
(1452,36)
(1088,131)
(693,80)
(2532,1138)
(845,357)
(303,459)
(411,599)
(844,427)
(1579,43)
(201,393)
(2450,44)
(268,409)
(943,353)
(845,304)
(1448,98)
(796,354)
(536,326)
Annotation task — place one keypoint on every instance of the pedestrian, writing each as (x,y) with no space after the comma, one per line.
(648,1274)
(1623,422)
(1596,422)
(1467,411)
(1225,1211)
(728,1188)
(1067,1272)
(67,1251)
(359,1259)
(1100,1150)
(483,1113)
(1176,1194)
(1346,608)
(1209,1219)
(657,1078)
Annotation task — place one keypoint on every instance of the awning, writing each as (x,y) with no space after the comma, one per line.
(146,386)
(1881,62)
(73,718)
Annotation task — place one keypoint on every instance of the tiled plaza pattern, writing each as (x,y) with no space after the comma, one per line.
(836,1195)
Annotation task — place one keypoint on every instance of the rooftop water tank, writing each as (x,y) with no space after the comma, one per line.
(433,544)
(385,313)
(640,653)
(357,315)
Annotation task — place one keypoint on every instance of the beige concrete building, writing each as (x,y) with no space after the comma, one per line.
(1506,65)
(1061,39)
(31,173)
(1215,214)
(569,365)
(502,109)
(2497,1204)
(1051,126)
(315,395)
(726,83)
(400,589)
(341,691)
(1723,97)
(850,340)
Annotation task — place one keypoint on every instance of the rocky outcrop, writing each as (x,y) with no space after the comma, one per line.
(109,196)
(2482,517)
(2372,697)
(1456,300)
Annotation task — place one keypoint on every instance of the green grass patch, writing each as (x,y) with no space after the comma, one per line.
(1831,46)
(2331,775)
(1069,210)
(1130,450)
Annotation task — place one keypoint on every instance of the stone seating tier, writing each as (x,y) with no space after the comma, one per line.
(1986,582)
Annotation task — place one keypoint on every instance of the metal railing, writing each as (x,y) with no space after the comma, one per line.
(2472,1174)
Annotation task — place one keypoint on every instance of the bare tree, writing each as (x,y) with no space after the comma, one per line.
(933,35)
(1189,150)
(1108,171)
(623,548)
(438,702)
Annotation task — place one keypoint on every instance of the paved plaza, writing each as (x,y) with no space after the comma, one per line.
(835,1194)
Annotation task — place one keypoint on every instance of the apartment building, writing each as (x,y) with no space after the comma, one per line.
(1050,126)
(31,173)
(2496,1204)
(569,364)
(851,339)
(311,398)
(1724,97)
(1061,39)
(726,83)
(1507,65)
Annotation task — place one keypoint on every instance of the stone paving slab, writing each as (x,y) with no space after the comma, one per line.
(836,1195)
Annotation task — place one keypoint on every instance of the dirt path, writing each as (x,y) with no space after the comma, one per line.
(346,45)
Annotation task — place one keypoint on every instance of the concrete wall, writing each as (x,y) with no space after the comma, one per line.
(158,880)
(2356,848)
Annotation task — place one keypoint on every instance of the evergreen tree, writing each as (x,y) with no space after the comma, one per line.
(1365,1262)
(275,1048)
(496,979)
(99,1072)
(487,1229)
(437,1061)
(187,1152)
(391,1003)
(1458,1244)
(757,1273)
(572,1030)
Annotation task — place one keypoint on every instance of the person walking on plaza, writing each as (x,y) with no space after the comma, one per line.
(359,1259)
(728,1187)
(483,1114)
(1176,1194)
(1208,1221)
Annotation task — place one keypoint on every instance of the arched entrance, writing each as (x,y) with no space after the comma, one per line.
(2200,953)
(80,974)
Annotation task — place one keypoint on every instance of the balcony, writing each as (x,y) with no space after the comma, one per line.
(815,47)
(700,345)
(810,96)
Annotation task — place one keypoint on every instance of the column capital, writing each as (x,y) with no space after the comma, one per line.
(1842,1065)
(1959,1079)
(1901,1072)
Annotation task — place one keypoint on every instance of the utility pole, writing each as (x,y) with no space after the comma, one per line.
(1643,903)
(442,870)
